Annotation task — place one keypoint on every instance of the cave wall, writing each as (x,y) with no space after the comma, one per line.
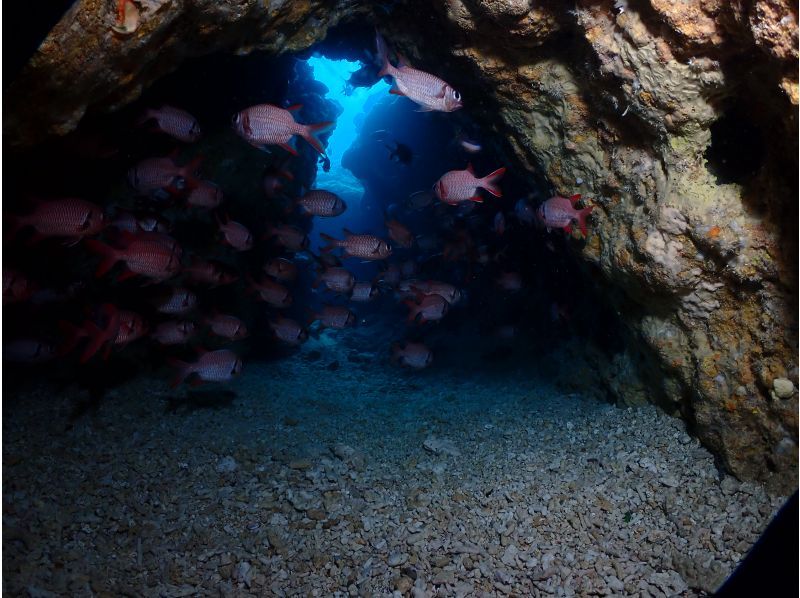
(626,102)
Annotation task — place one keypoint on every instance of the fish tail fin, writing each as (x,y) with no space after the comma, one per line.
(488,182)
(108,253)
(413,309)
(308,134)
(100,336)
(582,215)
(332,243)
(183,370)
(383,54)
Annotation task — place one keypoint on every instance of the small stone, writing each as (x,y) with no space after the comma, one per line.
(614,583)
(670,482)
(396,559)
(227,465)
(244,573)
(300,464)
(403,584)
(316,514)
(510,555)
(443,577)
(782,388)
(441,446)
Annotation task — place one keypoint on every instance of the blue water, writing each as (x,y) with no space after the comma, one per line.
(333,74)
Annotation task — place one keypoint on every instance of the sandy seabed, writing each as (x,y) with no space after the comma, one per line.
(365,480)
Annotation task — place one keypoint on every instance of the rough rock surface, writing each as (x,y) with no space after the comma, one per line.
(629,97)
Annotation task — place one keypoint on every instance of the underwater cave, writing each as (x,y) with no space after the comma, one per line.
(401,298)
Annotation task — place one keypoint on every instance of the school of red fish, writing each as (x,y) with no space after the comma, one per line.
(127,245)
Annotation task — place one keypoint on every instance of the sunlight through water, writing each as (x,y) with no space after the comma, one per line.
(334,74)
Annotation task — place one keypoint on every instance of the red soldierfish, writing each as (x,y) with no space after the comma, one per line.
(203,194)
(462,185)
(336,279)
(178,301)
(430,92)
(363,292)
(121,328)
(214,366)
(413,355)
(367,247)
(236,235)
(560,212)
(135,224)
(273,293)
(288,331)
(68,217)
(334,316)
(209,272)
(419,200)
(435,287)
(174,122)
(153,255)
(406,289)
(400,234)
(266,124)
(131,327)
(173,332)
(290,237)
(226,326)
(430,308)
(321,203)
(281,269)
(154,174)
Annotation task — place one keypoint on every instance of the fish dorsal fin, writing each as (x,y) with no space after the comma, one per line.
(402,61)
(348,233)
(470,169)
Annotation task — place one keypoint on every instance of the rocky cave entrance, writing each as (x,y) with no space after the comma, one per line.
(512,465)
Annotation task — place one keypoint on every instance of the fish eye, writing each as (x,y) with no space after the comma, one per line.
(456,95)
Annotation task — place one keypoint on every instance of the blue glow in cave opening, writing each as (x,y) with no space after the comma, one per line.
(334,74)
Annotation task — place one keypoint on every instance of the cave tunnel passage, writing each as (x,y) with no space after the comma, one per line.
(306,436)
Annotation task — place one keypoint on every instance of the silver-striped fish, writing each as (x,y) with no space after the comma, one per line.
(265,124)
(367,247)
(429,91)
(321,203)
